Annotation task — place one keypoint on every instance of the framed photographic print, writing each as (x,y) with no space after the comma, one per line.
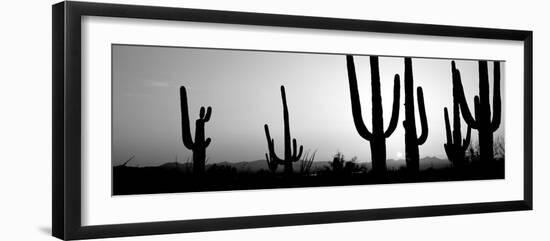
(170,120)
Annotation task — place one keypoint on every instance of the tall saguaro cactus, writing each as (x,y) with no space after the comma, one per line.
(200,144)
(377,137)
(455,146)
(291,155)
(411,140)
(482,121)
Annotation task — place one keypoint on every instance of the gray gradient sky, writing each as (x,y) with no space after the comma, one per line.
(243,89)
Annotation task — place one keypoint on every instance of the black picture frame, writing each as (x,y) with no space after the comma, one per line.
(66,159)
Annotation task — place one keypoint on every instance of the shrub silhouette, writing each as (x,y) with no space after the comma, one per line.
(340,167)
(351,166)
(482,121)
(377,137)
(306,163)
(291,155)
(472,153)
(455,146)
(337,164)
(200,144)
(498,148)
(411,140)
(216,170)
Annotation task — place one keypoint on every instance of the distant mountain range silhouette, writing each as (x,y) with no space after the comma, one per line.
(257,165)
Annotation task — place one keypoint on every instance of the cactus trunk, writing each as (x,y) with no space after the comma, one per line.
(378,156)
(200,144)
(199,160)
(378,137)
(484,114)
(411,140)
(481,120)
(288,154)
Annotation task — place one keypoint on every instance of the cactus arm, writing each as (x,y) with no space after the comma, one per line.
(457,82)
(274,156)
(300,153)
(268,138)
(355,101)
(271,164)
(449,151)
(207,142)
(495,123)
(185,127)
(296,157)
(448,132)
(466,142)
(201,113)
(267,160)
(447,127)
(294,147)
(271,145)
(395,109)
(208,113)
(423,119)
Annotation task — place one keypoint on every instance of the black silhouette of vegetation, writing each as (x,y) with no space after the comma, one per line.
(411,140)
(482,121)
(498,148)
(339,166)
(306,163)
(127,161)
(466,161)
(172,178)
(377,137)
(456,147)
(199,146)
(291,155)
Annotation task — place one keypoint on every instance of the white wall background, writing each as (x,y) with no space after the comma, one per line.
(25,120)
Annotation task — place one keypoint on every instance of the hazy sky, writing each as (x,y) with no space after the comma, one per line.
(243,89)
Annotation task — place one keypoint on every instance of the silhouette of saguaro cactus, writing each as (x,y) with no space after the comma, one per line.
(482,121)
(455,146)
(199,146)
(291,155)
(411,140)
(377,137)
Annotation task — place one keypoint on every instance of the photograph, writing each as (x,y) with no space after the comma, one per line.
(188,119)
